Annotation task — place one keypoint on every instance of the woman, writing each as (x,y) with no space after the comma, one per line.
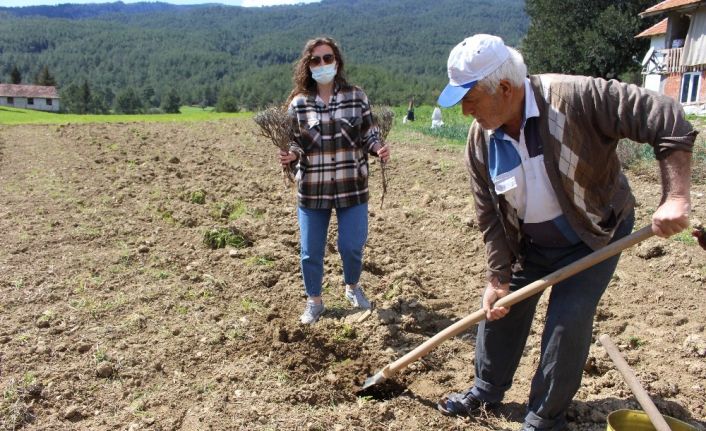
(334,132)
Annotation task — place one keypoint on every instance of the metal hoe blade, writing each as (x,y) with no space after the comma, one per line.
(374,380)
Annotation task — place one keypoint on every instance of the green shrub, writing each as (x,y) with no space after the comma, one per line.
(198,197)
(225,236)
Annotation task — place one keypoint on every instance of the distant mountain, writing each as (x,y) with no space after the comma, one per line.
(94,10)
(395,49)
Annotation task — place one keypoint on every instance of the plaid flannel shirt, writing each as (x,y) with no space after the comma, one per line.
(333,143)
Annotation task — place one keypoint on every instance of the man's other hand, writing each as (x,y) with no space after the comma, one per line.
(495,290)
(671,217)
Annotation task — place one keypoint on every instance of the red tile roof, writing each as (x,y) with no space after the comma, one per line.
(655,30)
(19,90)
(667,5)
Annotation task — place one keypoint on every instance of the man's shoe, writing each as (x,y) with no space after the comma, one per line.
(357,298)
(312,312)
(464,404)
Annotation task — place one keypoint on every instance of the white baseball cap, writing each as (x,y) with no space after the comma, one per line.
(469,62)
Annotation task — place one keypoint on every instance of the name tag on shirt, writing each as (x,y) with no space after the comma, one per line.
(505,182)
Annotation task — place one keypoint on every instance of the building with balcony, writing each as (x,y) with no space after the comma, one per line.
(675,63)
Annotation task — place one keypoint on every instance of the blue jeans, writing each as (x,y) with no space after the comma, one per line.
(566,338)
(352,235)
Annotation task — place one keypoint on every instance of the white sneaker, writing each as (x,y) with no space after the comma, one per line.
(312,312)
(357,298)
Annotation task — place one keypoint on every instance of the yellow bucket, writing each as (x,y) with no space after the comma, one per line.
(636,420)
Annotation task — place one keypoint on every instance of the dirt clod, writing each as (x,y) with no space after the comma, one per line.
(647,251)
(104,369)
(73,413)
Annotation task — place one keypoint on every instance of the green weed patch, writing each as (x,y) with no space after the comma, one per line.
(197,197)
(685,237)
(225,236)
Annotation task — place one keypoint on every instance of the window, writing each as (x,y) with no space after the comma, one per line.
(10,100)
(30,101)
(49,102)
(690,86)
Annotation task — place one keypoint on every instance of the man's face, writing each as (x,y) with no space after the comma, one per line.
(488,109)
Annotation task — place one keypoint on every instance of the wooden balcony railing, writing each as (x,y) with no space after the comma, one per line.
(665,61)
(672,60)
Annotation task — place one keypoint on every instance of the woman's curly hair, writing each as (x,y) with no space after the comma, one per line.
(302,80)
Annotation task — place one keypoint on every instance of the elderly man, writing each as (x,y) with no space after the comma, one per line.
(549,190)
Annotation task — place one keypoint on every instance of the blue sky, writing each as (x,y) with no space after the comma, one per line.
(247,3)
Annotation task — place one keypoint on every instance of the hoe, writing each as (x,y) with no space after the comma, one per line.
(515,297)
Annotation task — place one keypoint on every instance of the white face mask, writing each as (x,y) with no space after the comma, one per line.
(324,74)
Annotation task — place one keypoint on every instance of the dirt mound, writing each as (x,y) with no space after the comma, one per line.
(150,280)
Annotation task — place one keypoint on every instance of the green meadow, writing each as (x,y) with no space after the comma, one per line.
(12,116)
(453,132)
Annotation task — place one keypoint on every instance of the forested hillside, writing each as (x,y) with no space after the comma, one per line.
(395,49)
(92,10)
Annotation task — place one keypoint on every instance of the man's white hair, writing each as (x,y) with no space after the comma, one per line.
(513,69)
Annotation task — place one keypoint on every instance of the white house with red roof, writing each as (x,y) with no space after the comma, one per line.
(37,97)
(675,64)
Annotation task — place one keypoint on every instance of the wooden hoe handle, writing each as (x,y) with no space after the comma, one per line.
(640,394)
(517,296)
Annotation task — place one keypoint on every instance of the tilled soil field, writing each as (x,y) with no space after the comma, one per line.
(116,315)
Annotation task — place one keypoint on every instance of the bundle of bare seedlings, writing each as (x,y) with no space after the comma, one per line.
(383,117)
(276,125)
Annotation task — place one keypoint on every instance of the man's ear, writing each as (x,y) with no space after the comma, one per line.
(505,87)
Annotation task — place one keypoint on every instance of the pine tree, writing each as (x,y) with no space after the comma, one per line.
(170,102)
(227,101)
(45,78)
(128,102)
(15,76)
(77,99)
(149,97)
(85,98)
(101,99)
